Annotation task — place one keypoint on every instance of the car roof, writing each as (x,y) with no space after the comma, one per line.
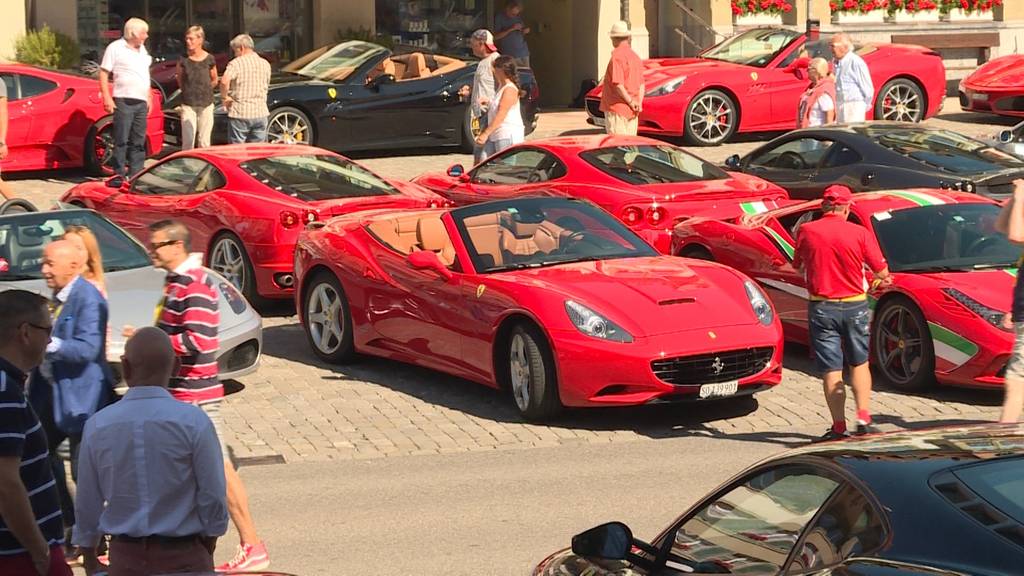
(236,153)
(898,199)
(979,441)
(873,128)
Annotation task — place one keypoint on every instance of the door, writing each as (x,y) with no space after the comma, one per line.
(518,171)
(401,113)
(844,165)
(34,118)
(19,124)
(792,164)
(785,284)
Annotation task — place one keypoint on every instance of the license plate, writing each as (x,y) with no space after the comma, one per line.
(719,389)
(170,138)
(980,97)
(598,121)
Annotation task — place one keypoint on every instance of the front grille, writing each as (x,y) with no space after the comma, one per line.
(1010,104)
(714,367)
(594,108)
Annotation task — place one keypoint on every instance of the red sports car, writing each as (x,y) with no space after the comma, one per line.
(648,184)
(551,298)
(954,274)
(747,84)
(57,120)
(996,86)
(246,204)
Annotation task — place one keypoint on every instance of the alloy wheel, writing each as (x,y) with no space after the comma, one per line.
(519,361)
(900,344)
(288,128)
(103,145)
(228,260)
(323,316)
(901,103)
(711,118)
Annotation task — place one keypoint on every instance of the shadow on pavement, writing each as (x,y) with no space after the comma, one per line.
(977,118)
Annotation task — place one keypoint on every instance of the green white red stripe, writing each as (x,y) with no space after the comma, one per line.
(1011,271)
(950,346)
(755,207)
(782,242)
(919,198)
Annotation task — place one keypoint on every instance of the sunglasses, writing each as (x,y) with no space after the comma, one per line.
(159,245)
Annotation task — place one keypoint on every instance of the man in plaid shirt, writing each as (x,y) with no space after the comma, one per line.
(243,91)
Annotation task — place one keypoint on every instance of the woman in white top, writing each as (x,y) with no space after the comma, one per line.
(504,121)
(818,103)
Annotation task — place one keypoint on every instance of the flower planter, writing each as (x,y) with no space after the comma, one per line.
(919,17)
(757,19)
(958,15)
(873,17)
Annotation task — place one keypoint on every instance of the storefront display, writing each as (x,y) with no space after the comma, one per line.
(434,25)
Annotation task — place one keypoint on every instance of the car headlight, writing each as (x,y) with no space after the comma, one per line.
(991,315)
(593,324)
(666,88)
(762,309)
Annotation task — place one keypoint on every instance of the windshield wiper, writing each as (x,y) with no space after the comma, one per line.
(991,266)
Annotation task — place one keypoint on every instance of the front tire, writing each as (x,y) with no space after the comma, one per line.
(17,206)
(288,125)
(900,100)
(697,252)
(530,372)
(902,350)
(711,119)
(328,323)
(229,259)
(99,148)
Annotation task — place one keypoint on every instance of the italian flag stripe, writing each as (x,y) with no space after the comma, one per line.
(753,207)
(918,198)
(951,346)
(1011,271)
(786,246)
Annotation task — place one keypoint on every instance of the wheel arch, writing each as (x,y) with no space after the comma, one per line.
(725,90)
(303,287)
(694,247)
(499,346)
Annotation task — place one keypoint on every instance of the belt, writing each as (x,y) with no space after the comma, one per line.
(854,298)
(157,539)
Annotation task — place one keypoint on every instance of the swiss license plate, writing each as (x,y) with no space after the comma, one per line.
(719,389)
(598,121)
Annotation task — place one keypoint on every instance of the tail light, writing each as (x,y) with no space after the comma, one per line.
(656,216)
(310,216)
(441,203)
(632,215)
(289,219)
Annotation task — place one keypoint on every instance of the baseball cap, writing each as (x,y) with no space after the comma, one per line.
(838,195)
(485,36)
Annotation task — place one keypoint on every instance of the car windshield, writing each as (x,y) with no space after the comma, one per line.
(535,232)
(1000,483)
(953,237)
(946,150)
(312,177)
(641,165)
(335,63)
(23,237)
(756,47)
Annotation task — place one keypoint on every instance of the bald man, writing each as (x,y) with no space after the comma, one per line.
(151,473)
(74,380)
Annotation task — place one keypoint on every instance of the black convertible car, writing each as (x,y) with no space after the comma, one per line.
(881,156)
(360,96)
(940,502)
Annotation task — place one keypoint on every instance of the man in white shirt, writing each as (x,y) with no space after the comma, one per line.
(482,93)
(151,473)
(130,100)
(854,88)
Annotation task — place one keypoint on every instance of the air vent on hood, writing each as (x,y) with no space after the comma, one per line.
(687,300)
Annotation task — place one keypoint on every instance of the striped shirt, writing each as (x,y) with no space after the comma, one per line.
(250,79)
(22,436)
(189,315)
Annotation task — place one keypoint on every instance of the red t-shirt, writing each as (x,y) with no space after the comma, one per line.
(625,69)
(833,252)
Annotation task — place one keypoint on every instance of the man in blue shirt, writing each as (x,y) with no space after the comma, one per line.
(854,88)
(151,473)
(510,32)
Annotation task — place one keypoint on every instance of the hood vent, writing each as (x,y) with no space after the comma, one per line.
(687,300)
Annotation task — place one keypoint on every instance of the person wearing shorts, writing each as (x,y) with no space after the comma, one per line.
(833,254)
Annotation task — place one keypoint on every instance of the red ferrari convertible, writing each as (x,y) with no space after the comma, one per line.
(747,84)
(245,204)
(551,298)
(996,86)
(57,120)
(954,274)
(648,184)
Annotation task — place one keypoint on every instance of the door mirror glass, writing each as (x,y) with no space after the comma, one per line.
(115,182)
(427,260)
(1006,136)
(733,162)
(456,170)
(612,541)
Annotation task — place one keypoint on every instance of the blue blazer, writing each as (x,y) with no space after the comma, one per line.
(82,380)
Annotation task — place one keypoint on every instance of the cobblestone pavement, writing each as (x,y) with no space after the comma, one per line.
(296,408)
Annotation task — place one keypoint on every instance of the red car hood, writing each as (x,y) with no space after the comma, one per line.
(993,288)
(657,71)
(1004,72)
(649,296)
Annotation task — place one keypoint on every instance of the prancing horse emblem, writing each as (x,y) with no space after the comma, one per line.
(718,365)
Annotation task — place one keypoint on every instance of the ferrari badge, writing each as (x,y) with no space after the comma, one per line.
(332,92)
(753,76)
(480,290)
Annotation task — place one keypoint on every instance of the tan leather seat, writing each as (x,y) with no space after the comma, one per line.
(485,235)
(433,236)
(543,237)
(410,66)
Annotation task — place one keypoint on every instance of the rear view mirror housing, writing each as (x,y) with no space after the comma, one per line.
(733,162)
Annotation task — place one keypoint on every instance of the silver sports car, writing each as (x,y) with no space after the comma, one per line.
(134,286)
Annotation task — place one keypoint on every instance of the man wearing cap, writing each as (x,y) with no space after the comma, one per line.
(482,43)
(623,86)
(833,253)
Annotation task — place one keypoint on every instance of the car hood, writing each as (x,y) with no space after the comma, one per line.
(649,296)
(1004,72)
(657,71)
(565,563)
(993,288)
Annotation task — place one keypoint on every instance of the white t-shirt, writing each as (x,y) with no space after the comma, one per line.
(820,110)
(512,127)
(130,69)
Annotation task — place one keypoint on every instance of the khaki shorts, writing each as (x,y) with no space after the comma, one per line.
(1015,367)
(615,124)
(212,410)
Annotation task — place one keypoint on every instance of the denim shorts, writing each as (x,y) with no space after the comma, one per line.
(839,333)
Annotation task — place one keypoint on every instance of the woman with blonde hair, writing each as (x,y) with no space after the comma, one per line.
(86,242)
(818,103)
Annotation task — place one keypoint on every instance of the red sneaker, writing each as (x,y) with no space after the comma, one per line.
(249,557)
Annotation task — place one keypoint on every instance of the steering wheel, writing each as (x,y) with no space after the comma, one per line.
(572,240)
(978,247)
(790,159)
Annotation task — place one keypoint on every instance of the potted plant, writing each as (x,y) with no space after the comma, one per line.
(967,10)
(910,11)
(858,11)
(759,12)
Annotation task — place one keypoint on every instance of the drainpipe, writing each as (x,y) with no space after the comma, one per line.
(624,9)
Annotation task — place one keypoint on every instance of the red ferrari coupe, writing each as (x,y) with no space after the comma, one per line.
(57,120)
(746,84)
(648,184)
(954,274)
(996,86)
(245,204)
(551,298)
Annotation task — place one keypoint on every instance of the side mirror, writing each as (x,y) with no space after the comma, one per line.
(381,80)
(611,541)
(427,260)
(1005,136)
(868,179)
(116,182)
(456,170)
(733,162)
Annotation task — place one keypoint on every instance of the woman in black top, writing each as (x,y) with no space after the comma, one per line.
(197,75)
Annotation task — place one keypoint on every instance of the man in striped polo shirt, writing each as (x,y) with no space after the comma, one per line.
(31,526)
(189,315)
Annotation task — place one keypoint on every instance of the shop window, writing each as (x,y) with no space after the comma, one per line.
(431,25)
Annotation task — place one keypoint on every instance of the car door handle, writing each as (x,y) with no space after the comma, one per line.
(868,178)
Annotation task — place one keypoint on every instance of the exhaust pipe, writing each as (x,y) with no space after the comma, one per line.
(285,280)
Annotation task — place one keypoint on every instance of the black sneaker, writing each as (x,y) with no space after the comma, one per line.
(863,429)
(831,434)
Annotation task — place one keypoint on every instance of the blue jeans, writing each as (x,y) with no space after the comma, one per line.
(492,147)
(247,130)
(839,333)
(129,135)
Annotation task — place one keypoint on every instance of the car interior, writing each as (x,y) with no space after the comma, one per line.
(414,66)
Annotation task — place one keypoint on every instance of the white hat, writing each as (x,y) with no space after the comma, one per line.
(620,30)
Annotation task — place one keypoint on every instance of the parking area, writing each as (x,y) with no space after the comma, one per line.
(296,408)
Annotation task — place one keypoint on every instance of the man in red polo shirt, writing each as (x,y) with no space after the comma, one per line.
(833,254)
(623,93)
